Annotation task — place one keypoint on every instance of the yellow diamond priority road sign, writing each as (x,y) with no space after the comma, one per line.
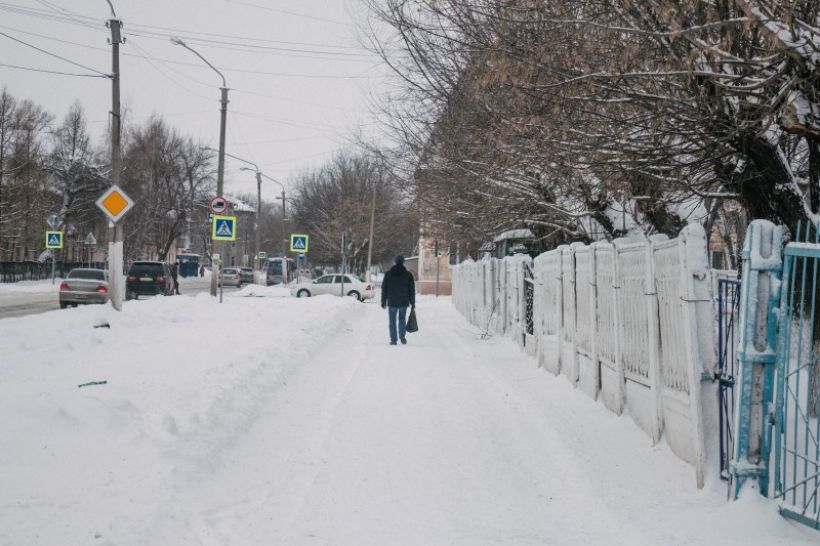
(115,203)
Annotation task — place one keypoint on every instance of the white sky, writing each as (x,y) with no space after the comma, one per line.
(298,93)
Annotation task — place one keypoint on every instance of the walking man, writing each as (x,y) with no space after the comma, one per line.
(398,291)
(175,276)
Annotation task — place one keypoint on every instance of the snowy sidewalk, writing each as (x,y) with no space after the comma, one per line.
(311,429)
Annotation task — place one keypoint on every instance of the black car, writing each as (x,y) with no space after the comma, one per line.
(149,279)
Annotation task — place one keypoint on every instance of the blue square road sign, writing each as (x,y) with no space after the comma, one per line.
(223,228)
(298,242)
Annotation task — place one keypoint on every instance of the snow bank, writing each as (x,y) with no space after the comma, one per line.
(30,287)
(183,377)
(259,291)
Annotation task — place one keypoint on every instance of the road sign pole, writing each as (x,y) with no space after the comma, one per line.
(53,265)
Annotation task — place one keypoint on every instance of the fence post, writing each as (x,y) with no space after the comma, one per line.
(759,301)
(619,338)
(654,340)
(699,331)
(569,356)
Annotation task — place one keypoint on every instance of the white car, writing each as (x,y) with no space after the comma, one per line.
(332,284)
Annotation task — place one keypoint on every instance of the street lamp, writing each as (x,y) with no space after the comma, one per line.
(284,215)
(220,173)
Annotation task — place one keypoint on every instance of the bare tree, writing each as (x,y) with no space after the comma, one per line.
(556,115)
(336,199)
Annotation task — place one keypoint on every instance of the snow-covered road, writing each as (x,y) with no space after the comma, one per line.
(294,422)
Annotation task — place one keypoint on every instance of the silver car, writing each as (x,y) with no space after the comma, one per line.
(84,285)
(231,276)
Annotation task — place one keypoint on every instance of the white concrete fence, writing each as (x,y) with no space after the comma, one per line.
(629,322)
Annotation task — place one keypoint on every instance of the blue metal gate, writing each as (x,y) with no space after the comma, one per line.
(797,430)
(728,300)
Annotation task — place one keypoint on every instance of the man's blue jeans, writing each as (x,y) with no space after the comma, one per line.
(401,313)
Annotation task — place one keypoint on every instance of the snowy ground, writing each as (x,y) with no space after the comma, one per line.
(272,420)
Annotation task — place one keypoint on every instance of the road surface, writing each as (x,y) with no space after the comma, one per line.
(43,297)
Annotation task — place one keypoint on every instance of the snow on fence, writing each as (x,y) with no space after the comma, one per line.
(630,322)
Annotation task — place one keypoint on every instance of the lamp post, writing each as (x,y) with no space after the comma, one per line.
(220,173)
(284,215)
(259,176)
(256,225)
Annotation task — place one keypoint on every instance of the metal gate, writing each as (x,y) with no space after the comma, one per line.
(728,309)
(797,430)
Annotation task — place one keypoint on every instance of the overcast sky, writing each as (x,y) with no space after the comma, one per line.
(300,82)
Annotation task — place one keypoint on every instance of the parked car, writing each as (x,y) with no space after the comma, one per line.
(148,279)
(332,284)
(84,285)
(231,276)
(246,274)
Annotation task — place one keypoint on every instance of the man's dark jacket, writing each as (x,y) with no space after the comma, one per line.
(398,287)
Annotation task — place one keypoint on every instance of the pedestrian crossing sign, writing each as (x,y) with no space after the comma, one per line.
(224,228)
(298,242)
(54,239)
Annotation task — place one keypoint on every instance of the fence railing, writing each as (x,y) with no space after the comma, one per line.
(631,322)
(35,271)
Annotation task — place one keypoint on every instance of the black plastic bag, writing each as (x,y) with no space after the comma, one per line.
(412,324)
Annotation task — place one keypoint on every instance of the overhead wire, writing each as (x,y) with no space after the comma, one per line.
(177,31)
(147,56)
(185,63)
(67,16)
(72,15)
(293,13)
(258,49)
(46,71)
(236,133)
(48,15)
(41,50)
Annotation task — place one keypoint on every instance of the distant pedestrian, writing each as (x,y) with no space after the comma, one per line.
(398,291)
(175,276)
(201,270)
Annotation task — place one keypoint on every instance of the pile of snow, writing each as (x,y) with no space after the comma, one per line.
(259,291)
(31,287)
(173,381)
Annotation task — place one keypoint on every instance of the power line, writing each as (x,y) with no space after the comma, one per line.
(92,22)
(260,49)
(48,15)
(177,31)
(54,55)
(45,71)
(148,58)
(184,63)
(293,13)
(71,15)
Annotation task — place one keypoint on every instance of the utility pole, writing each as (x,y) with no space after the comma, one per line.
(257,243)
(220,171)
(284,210)
(115,231)
(370,240)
